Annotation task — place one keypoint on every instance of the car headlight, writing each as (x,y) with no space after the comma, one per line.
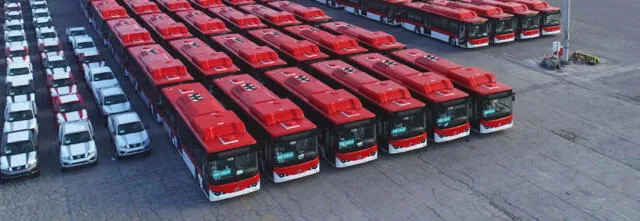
(32,162)
(64,154)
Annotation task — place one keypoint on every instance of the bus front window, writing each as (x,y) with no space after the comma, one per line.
(353,138)
(552,19)
(530,22)
(477,30)
(496,108)
(230,168)
(407,125)
(296,151)
(451,115)
(505,26)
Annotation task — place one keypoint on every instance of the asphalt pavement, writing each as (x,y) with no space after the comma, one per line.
(573,154)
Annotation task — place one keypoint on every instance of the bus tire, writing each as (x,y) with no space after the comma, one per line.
(452,41)
(417,30)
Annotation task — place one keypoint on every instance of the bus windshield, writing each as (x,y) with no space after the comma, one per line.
(291,152)
(451,115)
(507,25)
(226,169)
(552,19)
(352,138)
(530,22)
(407,124)
(496,108)
(477,30)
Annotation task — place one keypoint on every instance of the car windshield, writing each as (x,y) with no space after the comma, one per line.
(18,148)
(39,6)
(452,115)
(86,44)
(132,127)
(48,35)
(70,107)
(296,151)
(115,99)
(505,26)
(44,24)
(91,59)
(18,53)
(20,90)
(76,138)
(552,19)
(15,38)
(14,17)
(51,48)
(497,108)
(352,138)
(227,169)
(42,14)
(58,64)
(477,30)
(103,76)
(77,32)
(20,116)
(18,71)
(62,82)
(407,124)
(14,27)
(530,22)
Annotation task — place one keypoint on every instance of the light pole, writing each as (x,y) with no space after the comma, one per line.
(566,15)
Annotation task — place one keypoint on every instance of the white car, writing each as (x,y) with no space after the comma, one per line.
(75,32)
(55,65)
(21,91)
(43,22)
(18,54)
(21,116)
(83,45)
(70,107)
(19,71)
(61,84)
(128,134)
(13,25)
(15,16)
(40,13)
(15,39)
(19,155)
(100,77)
(77,144)
(112,100)
(89,60)
(47,33)
(14,5)
(50,47)
(36,1)
(39,5)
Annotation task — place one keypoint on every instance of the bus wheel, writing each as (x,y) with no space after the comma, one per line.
(452,41)
(417,30)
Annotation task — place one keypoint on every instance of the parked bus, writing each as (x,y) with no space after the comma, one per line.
(164,29)
(447,107)
(335,45)
(288,140)
(528,20)
(240,22)
(550,16)
(104,11)
(458,27)
(377,41)
(150,68)
(202,25)
(295,51)
(205,4)
(124,33)
(248,55)
(491,100)
(332,3)
(236,3)
(172,6)
(136,8)
(273,18)
(86,6)
(502,26)
(401,119)
(384,11)
(348,130)
(212,141)
(308,15)
(202,61)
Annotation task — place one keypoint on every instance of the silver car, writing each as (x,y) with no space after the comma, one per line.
(77,144)
(112,100)
(18,155)
(21,116)
(128,134)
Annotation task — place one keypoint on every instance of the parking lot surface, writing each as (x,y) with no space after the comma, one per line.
(573,154)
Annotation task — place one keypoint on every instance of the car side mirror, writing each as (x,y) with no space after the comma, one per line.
(146,127)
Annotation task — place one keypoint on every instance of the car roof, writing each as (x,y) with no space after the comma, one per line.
(41,10)
(43,19)
(103,69)
(68,98)
(13,22)
(50,41)
(17,136)
(47,29)
(55,58)
(17,47)
(15,33)
(127,117)
(83,38)
(76,28)
(18,64)
(61,75)
(20,106)
(20,81)
(75,126)
(14,12)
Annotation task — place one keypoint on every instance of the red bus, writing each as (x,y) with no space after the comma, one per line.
(447,107)
(335,45)
(87,6)
(250,56)
(202,61)
(502,26)
(201,25)
(348,130)
(124,33)
(236,3)
(528,20)
(384,11)
(140,7)
(377,41)
(491,100)
(239,21)
(309,15)
(104,11)
(550,16)
(205,4)
(401,118)
(288,140)
(295,51)
(459,27)
(332,3)
(150,68)
(212,141)
(164,28)
(273,18)
(172,6)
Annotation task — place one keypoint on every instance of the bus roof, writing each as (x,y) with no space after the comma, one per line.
(538,5)
(217,129)
(386,94)
(159,66)
(472,78)
(430,86)
(208,3)
(175,5)
(339,106)
(339,44)
(307,14)
(375,39)
(299,50)
(237,18)
(129,32)
(488,11)
(165,27)
(510,7)
(459,14)
(255,55)
(208,61)
(142,7)
(277,18)
(278,116)
(109,10)
(239,2)
(203,23)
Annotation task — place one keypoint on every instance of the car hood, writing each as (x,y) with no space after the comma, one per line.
(16,44)
(132,138)
(78,149)
(17,160)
